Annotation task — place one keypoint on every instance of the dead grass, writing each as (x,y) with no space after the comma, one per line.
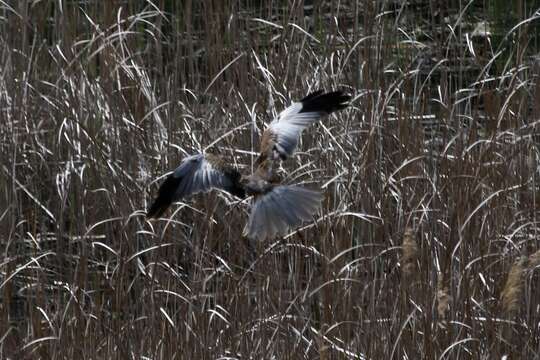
(99,99)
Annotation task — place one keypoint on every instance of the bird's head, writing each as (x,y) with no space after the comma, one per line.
(255,185)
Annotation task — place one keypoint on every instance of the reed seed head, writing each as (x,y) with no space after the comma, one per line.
(511,294)
(409,254)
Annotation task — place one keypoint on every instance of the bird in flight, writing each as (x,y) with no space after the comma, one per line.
(276,208)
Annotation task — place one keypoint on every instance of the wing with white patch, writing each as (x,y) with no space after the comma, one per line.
(196,173)
(283,133)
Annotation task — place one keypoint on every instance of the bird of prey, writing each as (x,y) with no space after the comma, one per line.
(276,208)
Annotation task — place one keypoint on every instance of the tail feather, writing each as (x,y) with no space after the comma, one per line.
(280,210)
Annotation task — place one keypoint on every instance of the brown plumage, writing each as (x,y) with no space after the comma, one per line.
(276,208)
(268,141)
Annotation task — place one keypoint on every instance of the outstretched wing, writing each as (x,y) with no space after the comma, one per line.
(283,133)
(281,209)
(196,173)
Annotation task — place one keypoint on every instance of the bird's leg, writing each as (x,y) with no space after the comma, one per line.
(282,169)
(278,157)
(274,171)
(278,172)
(275,154)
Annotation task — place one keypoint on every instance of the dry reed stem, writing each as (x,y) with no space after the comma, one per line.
(513,289)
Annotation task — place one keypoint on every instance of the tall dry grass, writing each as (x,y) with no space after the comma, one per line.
(99,99)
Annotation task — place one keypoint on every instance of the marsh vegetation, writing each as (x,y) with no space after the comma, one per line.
(427,243)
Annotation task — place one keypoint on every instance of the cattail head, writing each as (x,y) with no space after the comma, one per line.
(409,254)
(534,260)
(443,299)
(513,288)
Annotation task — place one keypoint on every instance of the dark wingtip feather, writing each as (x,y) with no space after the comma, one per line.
(325,102)
(165,198)
(311,96)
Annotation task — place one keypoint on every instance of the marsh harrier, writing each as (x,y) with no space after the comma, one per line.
(276,208)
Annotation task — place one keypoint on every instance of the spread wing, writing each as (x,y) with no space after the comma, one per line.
(196,173)
(283,133)
(281,209)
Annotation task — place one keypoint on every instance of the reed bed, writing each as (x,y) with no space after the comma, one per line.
(426,246)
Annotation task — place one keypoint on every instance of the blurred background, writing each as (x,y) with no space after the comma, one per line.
(427,243)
